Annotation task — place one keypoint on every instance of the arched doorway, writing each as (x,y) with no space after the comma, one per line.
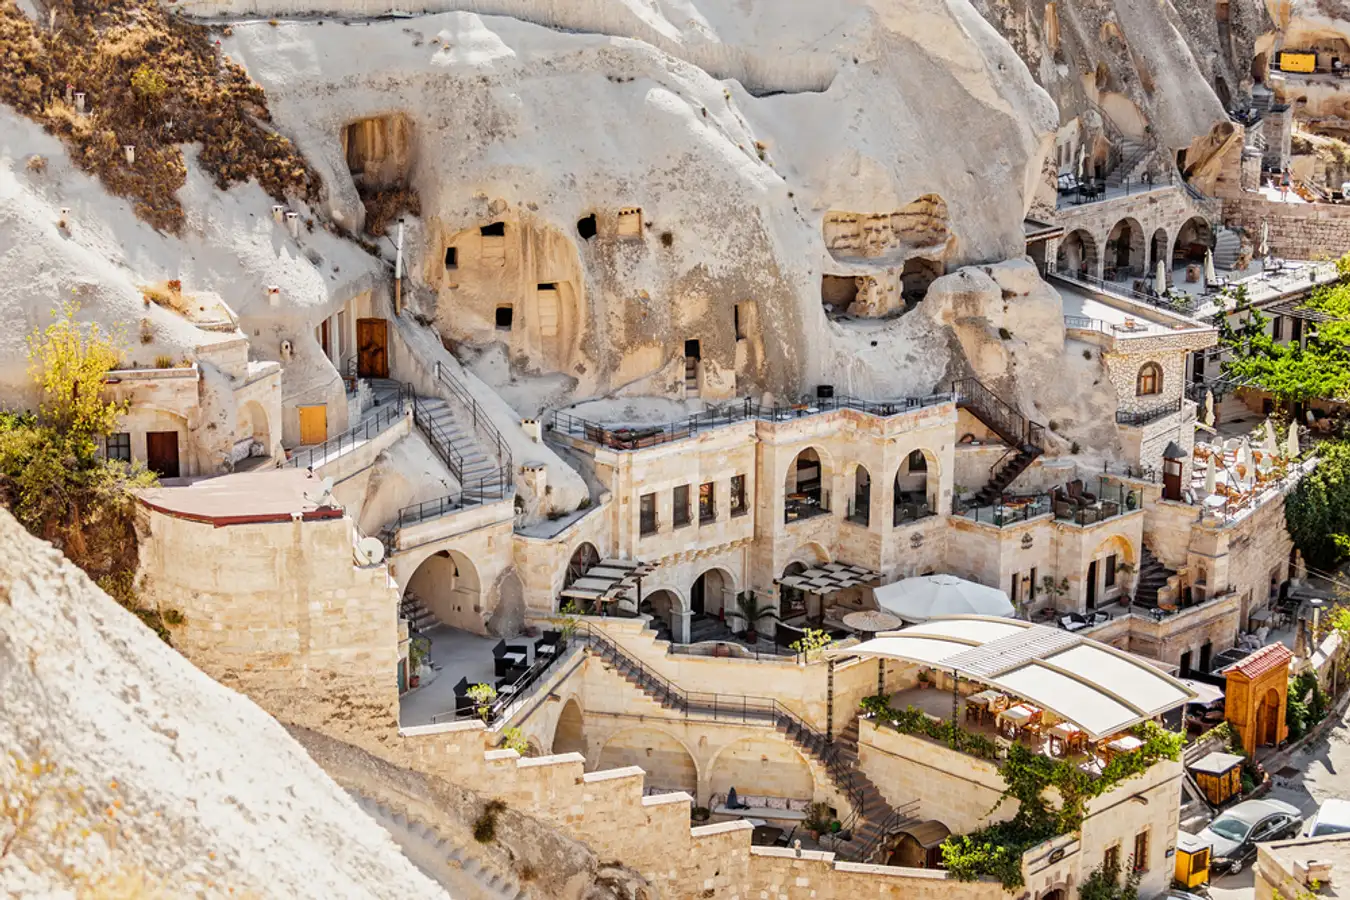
(1194,237)
(860,507)
(1157,249)
(765,766)
(1125,250)
(918,846)
(665,760)
(791,600)
(663,606)
(1077,254)
(253,427)
(711,594)
(1268,719)
(447,584)
(583,558)
(915,487)
(806,487)
(570,735)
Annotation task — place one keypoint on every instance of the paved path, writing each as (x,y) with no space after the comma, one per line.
(1323,771)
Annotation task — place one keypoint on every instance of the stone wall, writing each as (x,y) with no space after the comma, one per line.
(1165,208)
(1297,230)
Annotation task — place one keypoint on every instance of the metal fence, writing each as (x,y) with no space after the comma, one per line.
(311,457)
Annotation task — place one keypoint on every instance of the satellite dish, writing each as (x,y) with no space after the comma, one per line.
(369,551)
(324,497)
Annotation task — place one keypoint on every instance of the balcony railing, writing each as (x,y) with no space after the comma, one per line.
(1173,303)
(310,457)
(905,513)
(796,509)
(1107,502)
(1009,511)
(1152,414)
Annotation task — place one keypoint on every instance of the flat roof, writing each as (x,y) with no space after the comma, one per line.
(268,495)
(1100,689)
(1332,849)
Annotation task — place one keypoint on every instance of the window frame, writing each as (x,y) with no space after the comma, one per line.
(644,521)
(125,438)
(1150,376)
(678,521)
(1139,860)
(707,512)
(739,505)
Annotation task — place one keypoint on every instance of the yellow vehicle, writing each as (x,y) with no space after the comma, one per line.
(1192,867)
(1298,62)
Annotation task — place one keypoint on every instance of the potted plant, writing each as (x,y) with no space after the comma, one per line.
(925,681)
(419,648)
(700,814)
(817,820)
(752,611)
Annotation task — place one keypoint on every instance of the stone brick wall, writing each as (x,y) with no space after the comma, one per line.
(1297,230)
(1165,208)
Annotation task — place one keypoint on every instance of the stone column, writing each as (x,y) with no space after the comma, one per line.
(680,625)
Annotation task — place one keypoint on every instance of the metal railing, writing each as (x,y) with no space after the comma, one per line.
(1107,502)
(637,437)
(521,688)
(1152,414)
(990,409)
(309,457)
(1175,303)
(900,816)
(1008,511)
(478,418)
(1083,323)
(731,708)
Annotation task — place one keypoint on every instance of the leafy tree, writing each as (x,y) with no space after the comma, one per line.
(1317,511)
(1103,883)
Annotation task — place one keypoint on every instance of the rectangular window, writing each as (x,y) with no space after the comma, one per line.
(1277,328)
(738,506)
(119,446)
(496,229)
(1111,858)
(681,513)
(647,514)
(342,333)
(1111,571)
(504,317)
(737,323)
(451,258)
(707,503)
(1141,852)
(1296,332)
(322,334)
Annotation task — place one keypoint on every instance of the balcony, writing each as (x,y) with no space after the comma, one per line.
(1074,505)
(910,507)
(804,506)
(1142,417)
(1011,510)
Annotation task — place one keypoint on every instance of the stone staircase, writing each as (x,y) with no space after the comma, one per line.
(1026,437)
(1153,577)
(874,819)
(691,377)
(450,865)
(1134,162)
(415,612)
(1227,246)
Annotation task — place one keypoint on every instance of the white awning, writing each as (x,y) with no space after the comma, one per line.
(1100,689)
(607,580)
(829,578)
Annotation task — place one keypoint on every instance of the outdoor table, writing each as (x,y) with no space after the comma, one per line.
(1123,744)
(1068,735)
(986,701)
(542,649)
(1019,717)
(506,690)
(515,658)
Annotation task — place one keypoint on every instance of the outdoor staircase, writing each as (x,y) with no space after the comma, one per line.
(1153,577)
(875,819)
(1027,438)
(691,377)
(450,865)
(415,611)
(1134,161)
(1227,246)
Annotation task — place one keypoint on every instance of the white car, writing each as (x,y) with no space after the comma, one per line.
(1332,817)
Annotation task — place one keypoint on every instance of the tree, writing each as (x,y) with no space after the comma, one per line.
(1317,510)
(753,612)
(70,363)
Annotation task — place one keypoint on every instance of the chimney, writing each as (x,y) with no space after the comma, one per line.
(278,213)
(293,224)
(273,295)
(532,429)
(79,102)
(130,151)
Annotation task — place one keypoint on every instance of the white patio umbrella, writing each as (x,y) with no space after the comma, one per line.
(1082,161)
(1209,407)
(1270,445)
(1211,476)
(1291,443)
(1244,455)
(1205,693)
(1160,278)
(1210,275)
(933,596)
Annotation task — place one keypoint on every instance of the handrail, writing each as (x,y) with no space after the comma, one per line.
(991,409)
(900,815)
(731,707)
(1172,303)
(1152,414)
(478,417)
(334,446)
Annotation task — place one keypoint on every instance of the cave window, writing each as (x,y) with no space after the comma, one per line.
(496,229)
(630,222)
(547,286)
(451,258)
(838,291)
(691,350)
(504,316)
(737,323)
(586,226)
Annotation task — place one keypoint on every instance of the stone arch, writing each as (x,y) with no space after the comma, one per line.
(809,554)
(916,846)
(1125,253)
(765,765)
(666,760)
(860,499)
(664,605)
(448,585)
(254,427)
(713,591)
(569,736)
(584,555)
(1077,253)
(1112,578)
(806,484)
(1157,249)
(1149,381)
(916,486)
(1194,237)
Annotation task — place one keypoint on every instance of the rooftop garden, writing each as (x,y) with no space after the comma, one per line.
(996,851)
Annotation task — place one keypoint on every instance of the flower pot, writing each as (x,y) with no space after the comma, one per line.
(413,681)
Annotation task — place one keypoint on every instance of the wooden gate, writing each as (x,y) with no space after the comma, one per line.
(372,348)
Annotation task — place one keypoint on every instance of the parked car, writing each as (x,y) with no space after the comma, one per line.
(1235,832)
(1332,817)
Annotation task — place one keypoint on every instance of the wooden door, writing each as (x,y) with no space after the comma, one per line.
(161,453)
(372,348)
(313,424)
(1092,585)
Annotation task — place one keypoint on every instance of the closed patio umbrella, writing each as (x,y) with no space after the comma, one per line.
(1160,278)
(934,596)
(1210,275)
(1291,445)
(1211,476)
(1209,407)
(1264,251)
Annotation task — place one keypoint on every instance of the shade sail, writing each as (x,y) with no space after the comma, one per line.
(829,578)
(1096,687)
(935,596)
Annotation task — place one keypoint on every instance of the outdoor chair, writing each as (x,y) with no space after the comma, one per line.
(463,704)
(1078,495)
(1071,622)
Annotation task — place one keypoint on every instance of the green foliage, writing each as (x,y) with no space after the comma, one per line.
(1317,510)
(485,826)
(419,648)
(1321,369)
(570,614)
(482,696)
(752,611)
(812,640)
(914,721)
(1103,883)
(514,739)
(148,84)
(1306,704)
(69,361)
(818,817)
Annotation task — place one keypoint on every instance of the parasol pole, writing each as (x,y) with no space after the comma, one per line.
(956,704)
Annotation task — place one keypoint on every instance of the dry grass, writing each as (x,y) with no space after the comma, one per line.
(386,205)
(151,81)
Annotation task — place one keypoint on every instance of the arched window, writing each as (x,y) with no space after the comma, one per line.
(1150,380)
(917,461)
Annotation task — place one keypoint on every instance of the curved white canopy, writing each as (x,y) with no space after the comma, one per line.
(1100,689)
(930,596)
